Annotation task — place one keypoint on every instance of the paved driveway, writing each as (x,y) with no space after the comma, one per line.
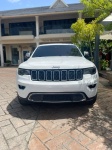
(53,126)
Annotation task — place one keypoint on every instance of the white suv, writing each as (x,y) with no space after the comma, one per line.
(57,73)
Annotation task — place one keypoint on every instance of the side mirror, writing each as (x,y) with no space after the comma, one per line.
(86,54)
(27,56)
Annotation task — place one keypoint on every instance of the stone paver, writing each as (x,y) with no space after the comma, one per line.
(16,121)
(53,126)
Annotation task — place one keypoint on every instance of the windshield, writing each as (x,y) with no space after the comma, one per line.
(57,50)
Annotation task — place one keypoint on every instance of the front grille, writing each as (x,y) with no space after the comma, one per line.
(56,75)
(56,97)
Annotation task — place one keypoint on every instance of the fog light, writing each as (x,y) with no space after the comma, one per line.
(21,87)
(92,86)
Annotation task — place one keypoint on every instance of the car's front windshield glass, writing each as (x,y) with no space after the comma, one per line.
(57,50)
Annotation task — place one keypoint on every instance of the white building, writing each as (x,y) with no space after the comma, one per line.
(23,29)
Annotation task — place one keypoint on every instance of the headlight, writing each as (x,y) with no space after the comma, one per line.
(23,72)
(91,70)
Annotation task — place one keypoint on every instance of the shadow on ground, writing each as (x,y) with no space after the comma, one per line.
(46,111)
(77,116)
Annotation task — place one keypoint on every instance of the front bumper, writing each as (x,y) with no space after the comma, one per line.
(68,87)
(57,97)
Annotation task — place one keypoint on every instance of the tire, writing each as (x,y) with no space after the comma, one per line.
(23,102)
(91,102)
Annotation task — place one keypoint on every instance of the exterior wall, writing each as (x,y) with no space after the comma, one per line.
(26,42)
(21,19)
(6,22)
(20,48)
(8,52)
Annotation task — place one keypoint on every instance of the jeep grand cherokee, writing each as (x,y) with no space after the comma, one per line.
(57,73)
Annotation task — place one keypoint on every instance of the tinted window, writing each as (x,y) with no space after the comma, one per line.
(56,50)
(16,28)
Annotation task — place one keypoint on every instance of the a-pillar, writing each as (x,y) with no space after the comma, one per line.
(1,55)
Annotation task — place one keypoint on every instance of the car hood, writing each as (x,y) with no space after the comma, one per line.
(60,62)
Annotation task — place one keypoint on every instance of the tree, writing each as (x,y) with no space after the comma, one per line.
(85,33)
(101,8)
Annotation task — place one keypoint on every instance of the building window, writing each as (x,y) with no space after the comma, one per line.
(58,26)
(15,56)
(22,28)
(2,30)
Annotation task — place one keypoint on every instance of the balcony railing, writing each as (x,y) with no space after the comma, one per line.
(55,30)
(30,31)
(19,31)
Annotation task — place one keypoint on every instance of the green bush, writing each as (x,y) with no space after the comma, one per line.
(104,64)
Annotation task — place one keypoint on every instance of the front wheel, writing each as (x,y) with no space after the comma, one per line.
(92,101)
(23,102)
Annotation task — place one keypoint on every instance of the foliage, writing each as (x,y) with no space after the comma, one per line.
(104,64)
(105,46)
(85,33)
(108,27)
(101,8)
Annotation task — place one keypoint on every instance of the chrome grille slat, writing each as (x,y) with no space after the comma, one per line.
(57,75)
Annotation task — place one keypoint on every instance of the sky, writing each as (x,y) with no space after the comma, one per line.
(18,4)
